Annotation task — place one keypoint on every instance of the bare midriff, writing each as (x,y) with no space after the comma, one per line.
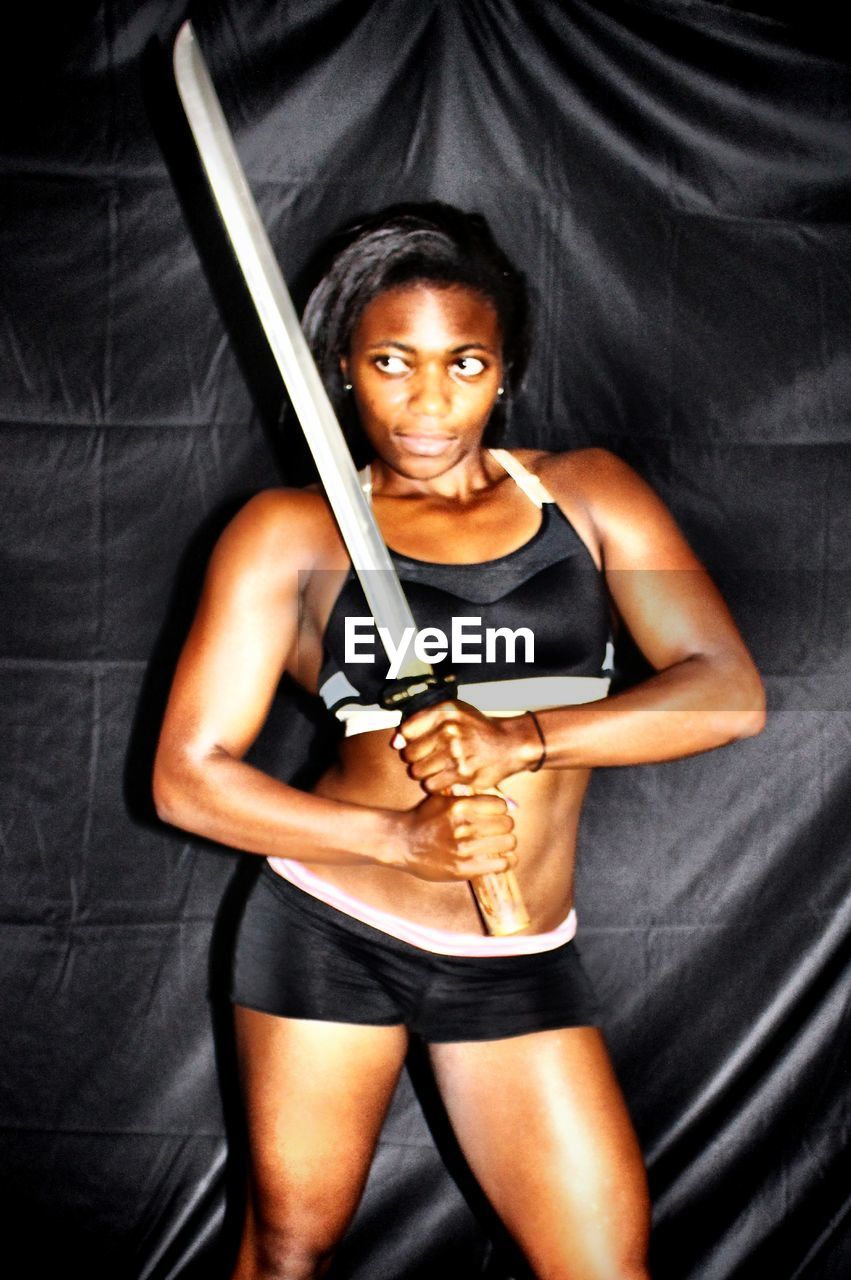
(546,819)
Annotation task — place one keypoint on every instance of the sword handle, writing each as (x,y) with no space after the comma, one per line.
(500,903)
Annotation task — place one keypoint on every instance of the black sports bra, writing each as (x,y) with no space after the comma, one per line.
(542,637)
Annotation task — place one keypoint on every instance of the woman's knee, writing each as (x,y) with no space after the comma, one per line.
(283,1257)
(277,1249)
(274,1254)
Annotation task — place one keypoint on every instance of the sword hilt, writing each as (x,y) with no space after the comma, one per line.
(410,694)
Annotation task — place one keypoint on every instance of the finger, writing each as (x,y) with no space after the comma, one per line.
(492,847)
(429,719)
(478,805)
(440,782)
(453,772)
(428,765)
(453,742)
(450,778)
(423,747)
(438,750)
(468,829)
(500,827)
(487,867)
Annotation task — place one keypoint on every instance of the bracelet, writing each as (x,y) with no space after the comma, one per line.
(539,764)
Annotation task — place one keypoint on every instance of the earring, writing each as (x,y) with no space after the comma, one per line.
(347,386)
(500,391)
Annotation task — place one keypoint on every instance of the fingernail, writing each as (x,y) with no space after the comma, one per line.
(511,802)
(398,741)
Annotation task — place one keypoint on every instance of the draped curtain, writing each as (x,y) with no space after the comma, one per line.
(673,175)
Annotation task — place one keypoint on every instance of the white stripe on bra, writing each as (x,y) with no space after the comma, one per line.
(491,697)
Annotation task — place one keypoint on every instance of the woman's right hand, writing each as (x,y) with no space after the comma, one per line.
(458,837)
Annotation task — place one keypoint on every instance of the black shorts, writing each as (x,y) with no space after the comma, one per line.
(298,957)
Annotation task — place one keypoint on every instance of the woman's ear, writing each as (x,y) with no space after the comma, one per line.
(344,367)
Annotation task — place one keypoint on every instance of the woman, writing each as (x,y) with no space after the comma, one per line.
(362,929)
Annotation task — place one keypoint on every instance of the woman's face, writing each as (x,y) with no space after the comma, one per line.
(425,364)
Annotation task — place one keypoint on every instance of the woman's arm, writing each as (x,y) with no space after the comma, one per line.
(706,691)
(243,638)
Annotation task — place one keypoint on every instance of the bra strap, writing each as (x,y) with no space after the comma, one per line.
(524,479)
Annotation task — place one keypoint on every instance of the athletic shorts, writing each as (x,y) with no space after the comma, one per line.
(298,957)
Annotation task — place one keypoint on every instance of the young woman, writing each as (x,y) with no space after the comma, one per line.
(362,929)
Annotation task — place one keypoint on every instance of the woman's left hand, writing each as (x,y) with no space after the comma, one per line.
(453,743)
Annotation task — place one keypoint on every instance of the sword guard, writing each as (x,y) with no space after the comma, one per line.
(413,693)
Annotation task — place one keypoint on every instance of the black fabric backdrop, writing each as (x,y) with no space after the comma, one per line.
(674,174)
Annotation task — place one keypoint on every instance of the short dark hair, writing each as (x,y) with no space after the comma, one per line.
(431,243)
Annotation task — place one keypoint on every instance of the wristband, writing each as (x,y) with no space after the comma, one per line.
(541,761)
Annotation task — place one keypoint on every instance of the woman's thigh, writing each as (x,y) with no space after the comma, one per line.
(543,1124)
(316,1094)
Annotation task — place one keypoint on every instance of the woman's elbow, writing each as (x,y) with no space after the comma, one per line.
(750,710)
(750,723)
(163,792)
(171,786)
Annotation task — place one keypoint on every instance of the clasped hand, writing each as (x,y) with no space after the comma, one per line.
(454,745)
(452,750)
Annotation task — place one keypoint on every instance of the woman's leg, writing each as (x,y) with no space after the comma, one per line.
(543,1124)
(315,1094)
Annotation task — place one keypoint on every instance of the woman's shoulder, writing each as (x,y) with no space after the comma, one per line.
(592,465)
(282,527)
(282,506)
(590,476)
(615,507)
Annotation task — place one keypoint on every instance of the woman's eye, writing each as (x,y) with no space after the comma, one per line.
(391,364)
(469,366)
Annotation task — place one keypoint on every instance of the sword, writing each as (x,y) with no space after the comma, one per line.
(497,895)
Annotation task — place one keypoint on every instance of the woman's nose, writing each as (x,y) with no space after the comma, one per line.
(431,391)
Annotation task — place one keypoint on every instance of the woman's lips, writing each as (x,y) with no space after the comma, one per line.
(424,446)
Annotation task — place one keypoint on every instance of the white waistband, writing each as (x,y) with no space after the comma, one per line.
(440,941)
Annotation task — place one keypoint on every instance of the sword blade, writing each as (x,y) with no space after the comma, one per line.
(369,555)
